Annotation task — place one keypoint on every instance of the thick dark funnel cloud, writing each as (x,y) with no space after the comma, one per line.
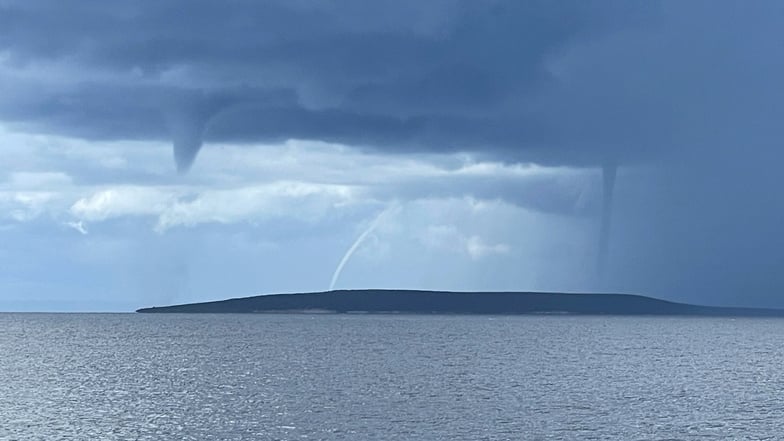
(187,132)
(188,115)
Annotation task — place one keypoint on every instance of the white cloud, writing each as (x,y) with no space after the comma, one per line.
(477,248)
(78,226)
(23,206)
(189,206)
(299,200)
(450,238)
(122,201)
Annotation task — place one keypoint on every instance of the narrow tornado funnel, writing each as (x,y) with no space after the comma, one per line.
(187,117)
(187,128)
(609,170)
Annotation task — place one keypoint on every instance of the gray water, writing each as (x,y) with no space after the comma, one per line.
(295,377)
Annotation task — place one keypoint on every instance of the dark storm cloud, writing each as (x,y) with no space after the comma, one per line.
(571,82)
(399,75)
(707,77)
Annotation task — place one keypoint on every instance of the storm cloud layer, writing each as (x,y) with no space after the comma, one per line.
(569,82)
(406,76)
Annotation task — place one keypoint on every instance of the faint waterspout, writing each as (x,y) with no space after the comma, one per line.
(356,245)
(609,171)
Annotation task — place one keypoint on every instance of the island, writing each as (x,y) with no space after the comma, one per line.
(383,301)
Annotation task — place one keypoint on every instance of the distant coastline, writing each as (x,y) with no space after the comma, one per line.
(376,301)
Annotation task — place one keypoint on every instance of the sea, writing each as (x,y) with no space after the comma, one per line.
(389,377)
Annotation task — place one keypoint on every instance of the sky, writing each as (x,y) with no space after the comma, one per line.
(169,152)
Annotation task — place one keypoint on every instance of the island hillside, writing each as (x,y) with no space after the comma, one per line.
(444,302)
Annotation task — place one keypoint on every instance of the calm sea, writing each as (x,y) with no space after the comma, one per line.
(358,377)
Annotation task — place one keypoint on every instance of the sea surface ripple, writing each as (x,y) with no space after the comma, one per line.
(389,377)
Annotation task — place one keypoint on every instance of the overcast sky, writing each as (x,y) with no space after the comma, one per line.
(167,152)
